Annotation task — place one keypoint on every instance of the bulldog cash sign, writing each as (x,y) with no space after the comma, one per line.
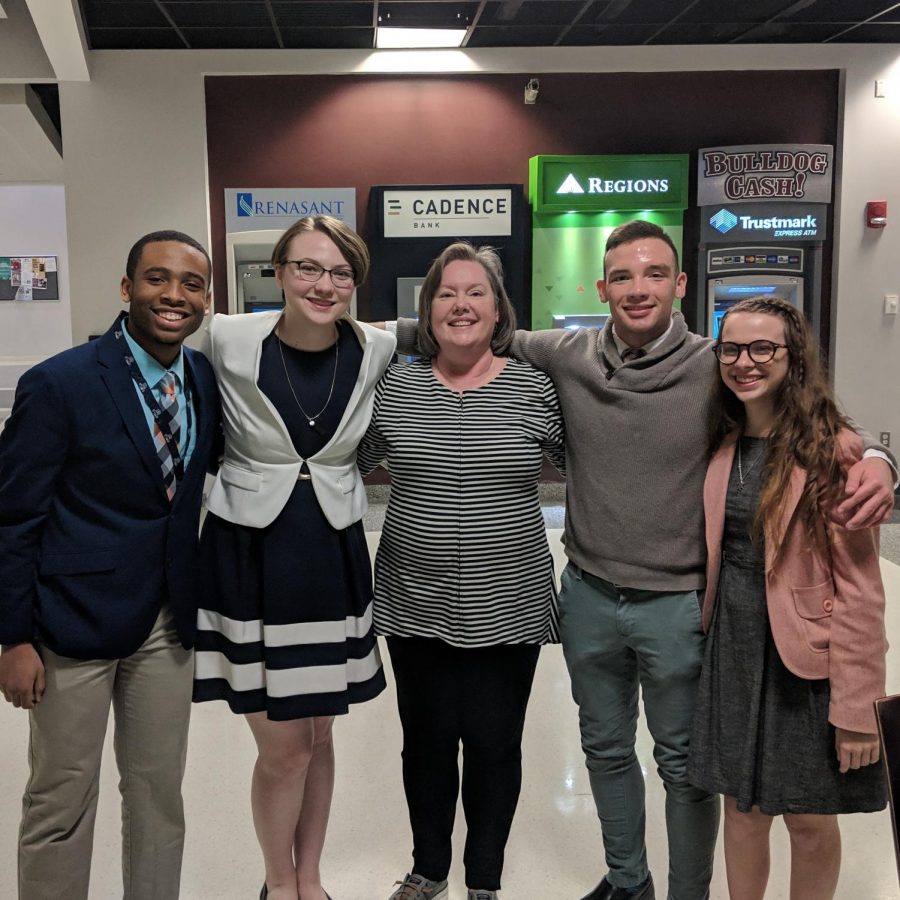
(784,173)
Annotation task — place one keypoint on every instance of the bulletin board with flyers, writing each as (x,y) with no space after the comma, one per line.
(28,278)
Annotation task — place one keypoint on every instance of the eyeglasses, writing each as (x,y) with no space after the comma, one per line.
(759,351)
(311,271)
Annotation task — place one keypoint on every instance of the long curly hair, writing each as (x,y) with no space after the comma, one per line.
(805,431)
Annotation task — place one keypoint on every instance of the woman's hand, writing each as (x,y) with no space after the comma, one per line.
(855,749)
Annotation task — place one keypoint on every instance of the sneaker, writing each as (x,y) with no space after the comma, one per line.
(415,887)
(483,895)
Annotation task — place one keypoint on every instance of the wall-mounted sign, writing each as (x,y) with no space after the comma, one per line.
(428,212)
(603,183)
(763,222)
(794,173)
(258,209)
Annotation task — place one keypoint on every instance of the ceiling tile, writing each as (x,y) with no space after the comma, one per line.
(328,38)
(115,14)
(135,39)
(323,14)
(209,15)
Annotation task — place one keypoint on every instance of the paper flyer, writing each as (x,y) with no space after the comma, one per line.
(38,272)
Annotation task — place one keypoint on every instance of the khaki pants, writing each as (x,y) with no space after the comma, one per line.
(150,692)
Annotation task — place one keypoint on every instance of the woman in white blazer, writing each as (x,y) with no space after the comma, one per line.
(285,626)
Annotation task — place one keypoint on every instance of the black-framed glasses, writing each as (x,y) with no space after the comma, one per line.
(341,277)
(759,351)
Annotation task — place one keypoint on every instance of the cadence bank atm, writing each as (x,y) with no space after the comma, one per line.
(409,225)
(576,201)
(763,224)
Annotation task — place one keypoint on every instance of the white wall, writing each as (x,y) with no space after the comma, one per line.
(135,161)
(22,55)
(866,346)
(33,223)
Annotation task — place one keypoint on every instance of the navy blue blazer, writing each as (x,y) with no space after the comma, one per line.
(90,547)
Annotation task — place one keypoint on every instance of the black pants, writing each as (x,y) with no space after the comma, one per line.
(478,696)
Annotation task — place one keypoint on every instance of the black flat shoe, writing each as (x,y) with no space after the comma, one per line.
(607,891)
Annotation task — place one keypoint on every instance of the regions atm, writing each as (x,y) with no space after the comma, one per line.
(576,201)
(763,226)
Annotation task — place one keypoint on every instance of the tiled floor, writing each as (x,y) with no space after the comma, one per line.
(554,851)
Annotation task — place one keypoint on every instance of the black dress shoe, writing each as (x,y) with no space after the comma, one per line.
(607,891)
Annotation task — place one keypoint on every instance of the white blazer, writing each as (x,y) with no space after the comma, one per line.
(261,465)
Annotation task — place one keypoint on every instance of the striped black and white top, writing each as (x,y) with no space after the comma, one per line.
(463,555)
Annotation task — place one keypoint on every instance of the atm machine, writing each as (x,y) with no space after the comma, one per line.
(251,276)
(255,219)
(735,273)
(257,289)
(576,202)
(764,217)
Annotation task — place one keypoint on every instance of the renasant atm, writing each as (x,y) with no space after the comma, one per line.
(763,222)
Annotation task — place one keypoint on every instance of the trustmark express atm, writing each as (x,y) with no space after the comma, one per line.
(763,222)
(576,201)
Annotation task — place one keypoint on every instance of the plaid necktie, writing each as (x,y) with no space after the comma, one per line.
(170,416)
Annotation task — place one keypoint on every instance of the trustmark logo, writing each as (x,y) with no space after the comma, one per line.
(245,204)
(723,221)
(570,186)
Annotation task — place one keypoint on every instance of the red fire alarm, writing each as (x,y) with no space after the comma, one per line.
(876,214)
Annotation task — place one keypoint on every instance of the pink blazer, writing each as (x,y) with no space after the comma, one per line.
(826,609)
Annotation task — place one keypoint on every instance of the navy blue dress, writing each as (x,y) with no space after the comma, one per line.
(302,578)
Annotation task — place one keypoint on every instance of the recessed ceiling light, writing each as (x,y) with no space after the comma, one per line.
(418,38)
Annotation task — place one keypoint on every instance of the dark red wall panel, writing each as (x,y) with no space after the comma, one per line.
(356,131)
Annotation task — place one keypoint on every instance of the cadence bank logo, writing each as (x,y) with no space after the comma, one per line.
(723,221)
(245,204)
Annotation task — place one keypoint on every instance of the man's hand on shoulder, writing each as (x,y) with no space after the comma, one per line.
(868,495)
(21,675)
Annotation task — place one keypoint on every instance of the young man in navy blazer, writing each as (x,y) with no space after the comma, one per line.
(101,482)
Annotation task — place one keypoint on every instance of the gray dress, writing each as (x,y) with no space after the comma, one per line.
(761,734)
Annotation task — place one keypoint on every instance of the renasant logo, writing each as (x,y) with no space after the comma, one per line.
(245,204)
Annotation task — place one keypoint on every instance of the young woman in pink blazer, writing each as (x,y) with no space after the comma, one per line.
(794,610)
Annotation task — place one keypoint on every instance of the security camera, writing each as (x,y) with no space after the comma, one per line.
(531,91)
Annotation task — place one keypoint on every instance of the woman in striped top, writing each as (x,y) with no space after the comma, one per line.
(464,588)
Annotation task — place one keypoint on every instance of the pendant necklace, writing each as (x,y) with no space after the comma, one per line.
(310,420)
(741,467)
